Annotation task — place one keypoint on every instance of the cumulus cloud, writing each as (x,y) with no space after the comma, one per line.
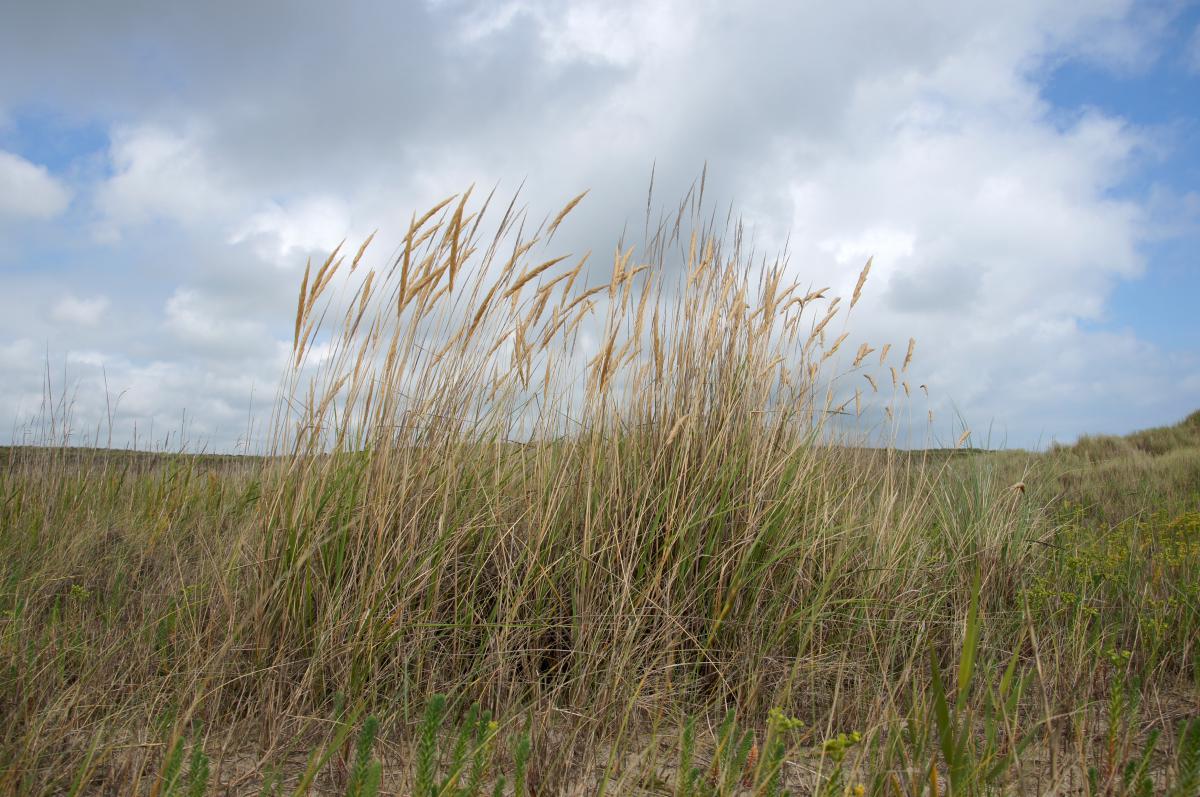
(281,231)
(200,322)
(917,133)
(28,190)
(159,174)
(83,312)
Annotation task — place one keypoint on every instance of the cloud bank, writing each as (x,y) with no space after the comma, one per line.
(28,190)
(165,263)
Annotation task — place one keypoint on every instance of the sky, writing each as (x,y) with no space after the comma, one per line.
(1025,174)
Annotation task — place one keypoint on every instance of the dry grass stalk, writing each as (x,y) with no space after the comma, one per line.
(562,214)
(456,503)
(862,280)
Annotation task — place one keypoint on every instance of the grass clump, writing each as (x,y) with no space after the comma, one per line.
(616,507)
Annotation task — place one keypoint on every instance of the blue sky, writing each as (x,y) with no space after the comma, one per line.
(1026,176)
(1161,94)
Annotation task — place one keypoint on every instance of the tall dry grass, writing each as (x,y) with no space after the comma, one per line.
(595,504)
(467,506)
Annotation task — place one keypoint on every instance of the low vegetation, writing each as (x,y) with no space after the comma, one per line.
(523,531)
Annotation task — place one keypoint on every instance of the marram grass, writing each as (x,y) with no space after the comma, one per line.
(532,522)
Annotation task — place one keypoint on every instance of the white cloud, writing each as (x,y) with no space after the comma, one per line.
(28,190)
(83,312)
(995,238)
(162,173)
(201,322)
(159,173)
(615,34)
(280,232)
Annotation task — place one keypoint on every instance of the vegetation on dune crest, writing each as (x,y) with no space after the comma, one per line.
(523,530)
